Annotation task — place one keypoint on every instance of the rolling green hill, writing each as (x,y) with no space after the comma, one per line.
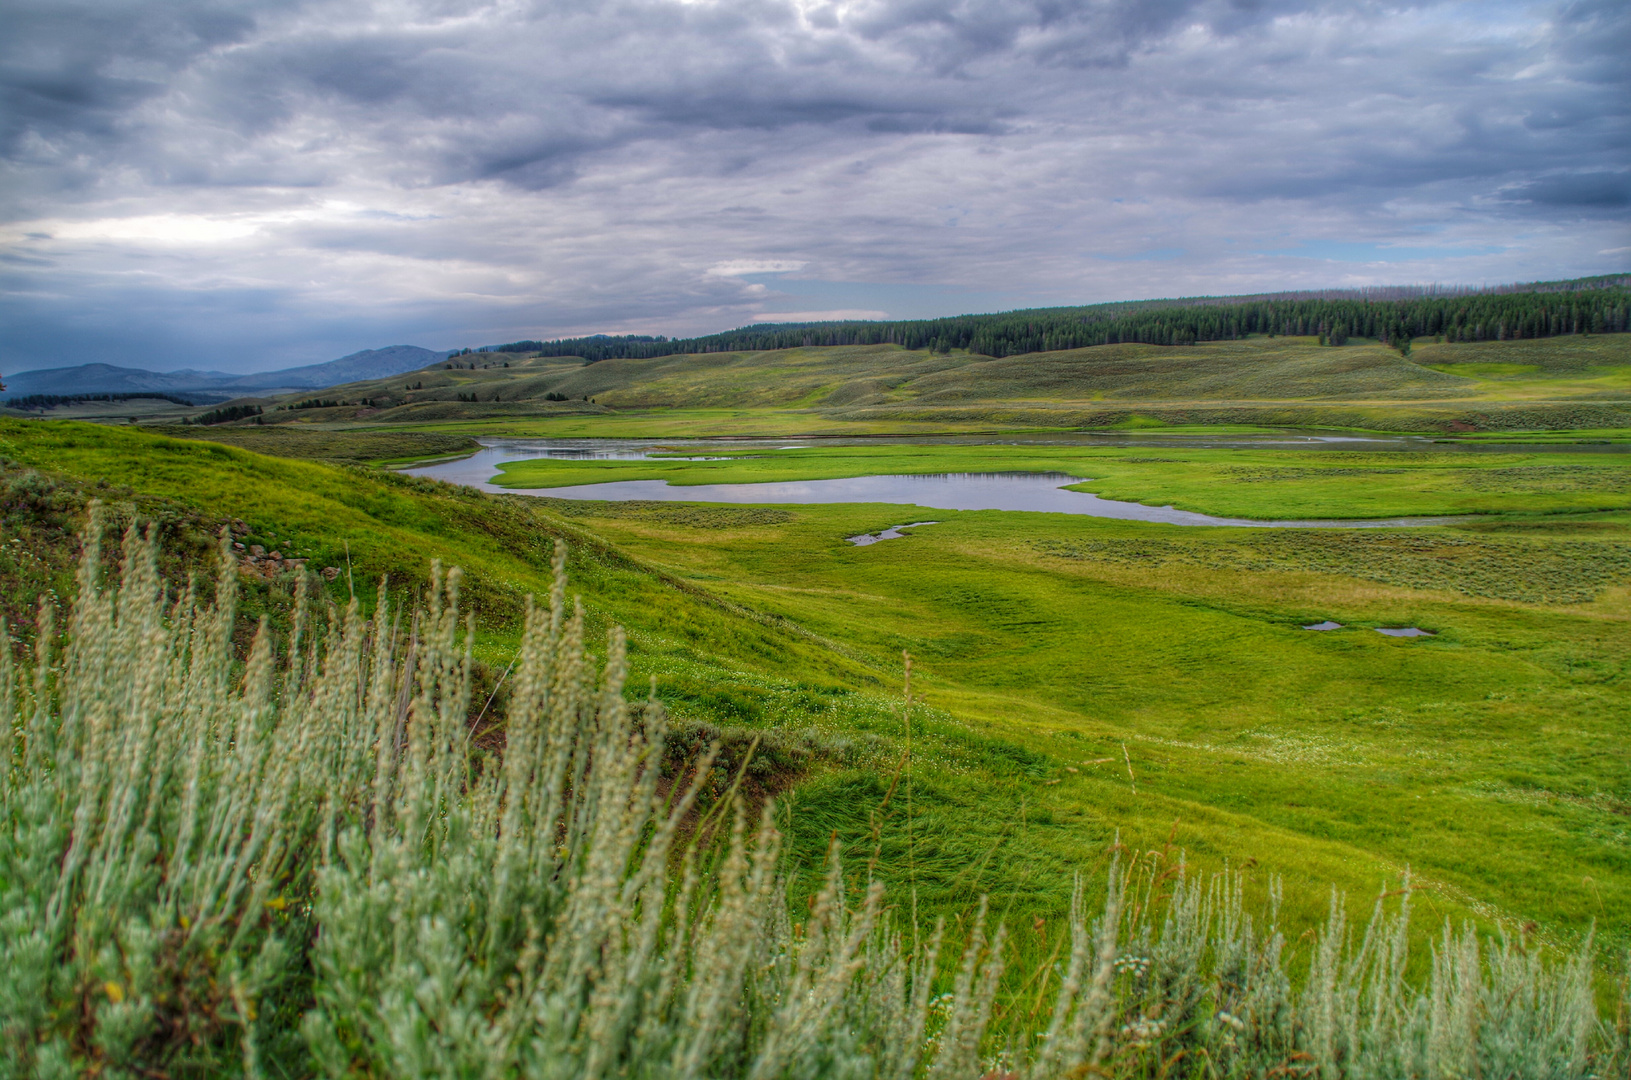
(1054,654)
(1572,382)
(1392,315)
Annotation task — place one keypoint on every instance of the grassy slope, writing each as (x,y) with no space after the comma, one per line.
(390,525)
(1488,759)
(128,411)
(1538,369)
(1558,382)
(714,660)
(358,447)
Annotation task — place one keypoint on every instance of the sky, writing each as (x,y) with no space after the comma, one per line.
(240,185)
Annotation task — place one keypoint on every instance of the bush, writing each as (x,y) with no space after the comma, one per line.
(224,415)
(306,867)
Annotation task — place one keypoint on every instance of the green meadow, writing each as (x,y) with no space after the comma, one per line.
(805,704)
(1074,678)
(1570,383)
(1488,759)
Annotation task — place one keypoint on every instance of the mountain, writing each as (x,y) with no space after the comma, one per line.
(108,379)
(367,364)
(220,385)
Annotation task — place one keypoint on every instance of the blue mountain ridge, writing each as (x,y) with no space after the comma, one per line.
(219,385)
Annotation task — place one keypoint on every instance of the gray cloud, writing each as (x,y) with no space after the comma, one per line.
(1590,190)
(245,183)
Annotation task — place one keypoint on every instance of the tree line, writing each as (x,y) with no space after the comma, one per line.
(1591,306)
(51,401)
(225,415)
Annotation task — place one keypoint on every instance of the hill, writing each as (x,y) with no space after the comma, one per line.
(220,385)
(1046,648)
(109,379)
(375,859)
(1578,381)
(367,364)
(1540,309)
(819,705)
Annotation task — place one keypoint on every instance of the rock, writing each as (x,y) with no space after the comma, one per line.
(239,547)
(330,573)
(275,556)
(256,550)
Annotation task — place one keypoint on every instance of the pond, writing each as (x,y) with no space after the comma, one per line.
(1035,492)
(891,533)
(1390,631)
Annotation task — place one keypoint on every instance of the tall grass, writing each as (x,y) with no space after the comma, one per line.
(308,867)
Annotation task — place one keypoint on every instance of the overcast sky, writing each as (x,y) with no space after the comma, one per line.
(241,185)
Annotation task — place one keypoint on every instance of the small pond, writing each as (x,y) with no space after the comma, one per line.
(1390,631)
(891,533)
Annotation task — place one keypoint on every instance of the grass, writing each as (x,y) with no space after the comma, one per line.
(298,861)
(716,661)
(1519,385)
(351,447)
(127,411)
(1485,758)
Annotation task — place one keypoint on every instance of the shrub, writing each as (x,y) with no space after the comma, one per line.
(305,867)
(225,415)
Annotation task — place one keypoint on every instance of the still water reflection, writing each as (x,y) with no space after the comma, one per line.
(1039,492)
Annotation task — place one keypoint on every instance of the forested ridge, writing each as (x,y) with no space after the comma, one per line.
(51,401)
(1589,305)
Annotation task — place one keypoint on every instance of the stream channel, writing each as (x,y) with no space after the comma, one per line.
(1026,491)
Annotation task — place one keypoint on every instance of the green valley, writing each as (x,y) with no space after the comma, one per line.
(1076,676)
(988,706)
(1574,382)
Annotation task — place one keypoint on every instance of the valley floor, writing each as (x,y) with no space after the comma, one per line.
(1163,679)
(1075,679)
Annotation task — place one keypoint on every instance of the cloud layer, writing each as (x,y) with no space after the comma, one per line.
(237,185)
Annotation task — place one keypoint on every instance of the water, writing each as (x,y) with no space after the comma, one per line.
(1034,492)
(481,466)
(1390,631)
(891,533)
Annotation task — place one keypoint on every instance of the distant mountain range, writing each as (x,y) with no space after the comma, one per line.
(221,385)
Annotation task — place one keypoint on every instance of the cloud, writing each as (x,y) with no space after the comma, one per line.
(247,183)
(1592,190)
(743,267)
(819,316)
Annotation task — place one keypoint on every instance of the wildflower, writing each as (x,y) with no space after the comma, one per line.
(1142,1032)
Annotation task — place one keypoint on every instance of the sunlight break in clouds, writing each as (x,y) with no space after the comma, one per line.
(240,184)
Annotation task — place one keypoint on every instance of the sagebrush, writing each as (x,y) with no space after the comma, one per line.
(305,867)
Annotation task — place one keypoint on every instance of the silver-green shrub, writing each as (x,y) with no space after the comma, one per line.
(304,867)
